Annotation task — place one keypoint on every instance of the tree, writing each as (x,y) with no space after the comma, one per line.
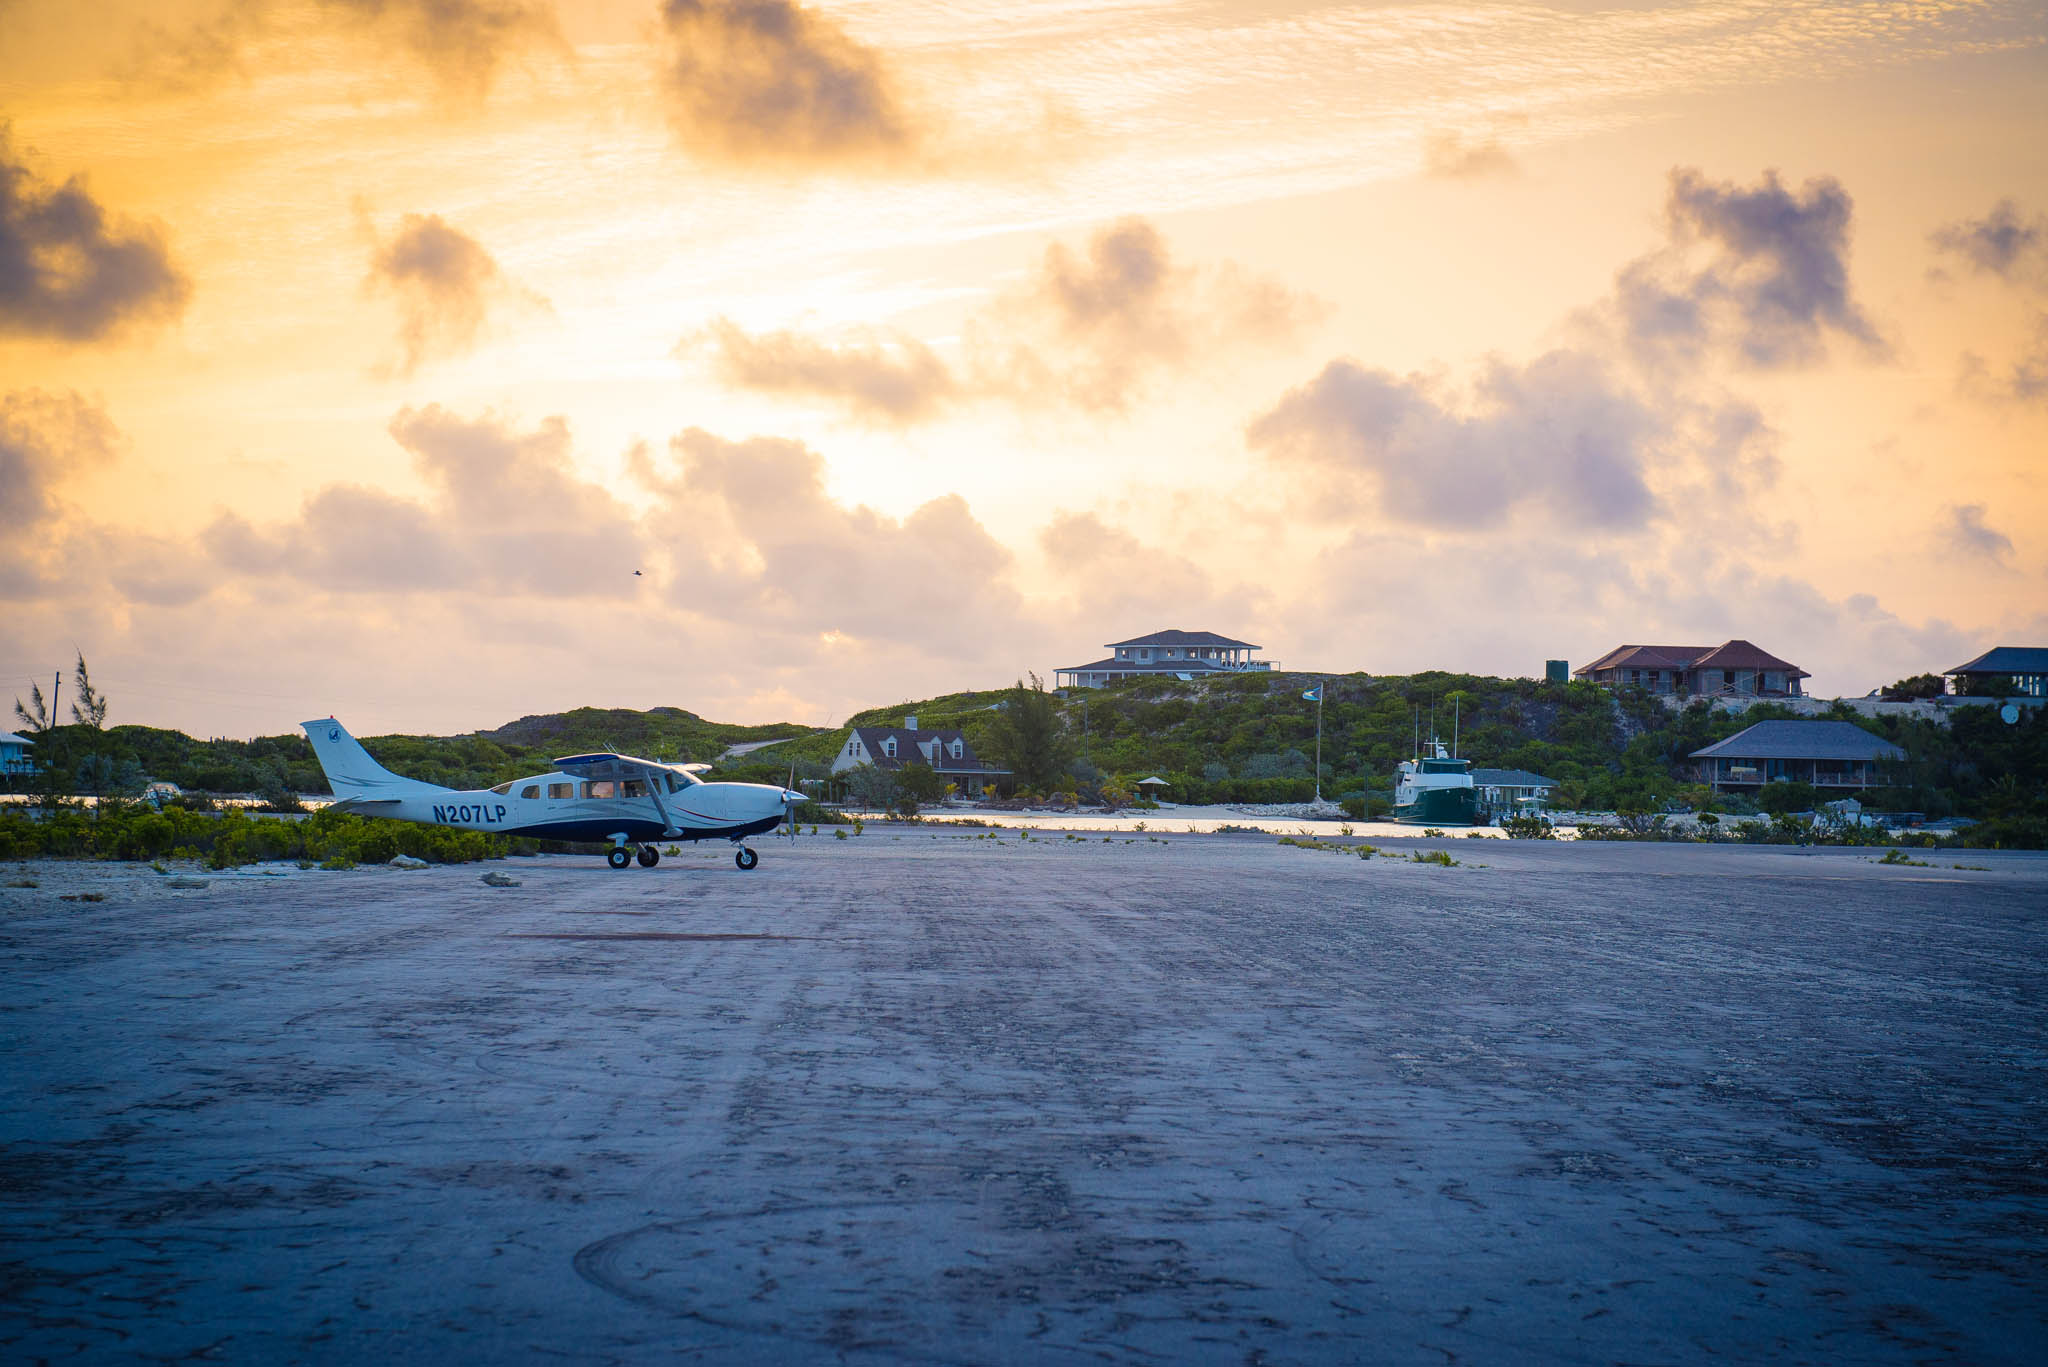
(90,709)
(35,716)
(1918,686)
(872,787)
(919,781)
(1028,737)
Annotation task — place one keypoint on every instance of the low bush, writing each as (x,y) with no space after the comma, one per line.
(328,839)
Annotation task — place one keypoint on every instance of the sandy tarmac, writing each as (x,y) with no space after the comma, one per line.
(933,1097)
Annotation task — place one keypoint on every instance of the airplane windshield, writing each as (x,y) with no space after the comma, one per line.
(679,781)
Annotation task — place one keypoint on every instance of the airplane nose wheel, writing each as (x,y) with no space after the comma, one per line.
(649,856)
(746,858)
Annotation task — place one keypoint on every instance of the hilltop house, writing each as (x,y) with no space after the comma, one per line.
(14,756)
(1734,669)
(2025,666)
(1174,654)
(1827,754)
(947,753)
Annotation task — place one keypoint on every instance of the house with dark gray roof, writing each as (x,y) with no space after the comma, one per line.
(947,753)
(1827,754)
(2020,671)
(1172,654)
(1733,669)
(1511,790)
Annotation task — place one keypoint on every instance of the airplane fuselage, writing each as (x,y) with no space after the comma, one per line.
(555,807)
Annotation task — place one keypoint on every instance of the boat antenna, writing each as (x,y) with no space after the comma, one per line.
(1456,704)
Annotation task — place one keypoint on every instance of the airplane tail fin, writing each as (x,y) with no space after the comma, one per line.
(350,770)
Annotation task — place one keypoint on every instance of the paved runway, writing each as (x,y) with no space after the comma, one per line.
(931,1098)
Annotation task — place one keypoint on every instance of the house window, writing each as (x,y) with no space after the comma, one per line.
(957,750)
(889,747)
(530,791)
(558,791)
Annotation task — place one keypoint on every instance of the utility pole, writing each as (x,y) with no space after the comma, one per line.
(56,685)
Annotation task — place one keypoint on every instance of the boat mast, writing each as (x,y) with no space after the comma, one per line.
(1456,706)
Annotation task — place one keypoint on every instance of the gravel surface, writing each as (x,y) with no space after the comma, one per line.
(945,1098)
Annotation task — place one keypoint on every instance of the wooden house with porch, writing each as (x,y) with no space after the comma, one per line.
(1835,755)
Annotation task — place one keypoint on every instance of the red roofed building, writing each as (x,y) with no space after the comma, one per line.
(1734,669)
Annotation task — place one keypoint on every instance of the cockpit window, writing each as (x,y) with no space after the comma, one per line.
(677,782)
(503,788)
(633,787)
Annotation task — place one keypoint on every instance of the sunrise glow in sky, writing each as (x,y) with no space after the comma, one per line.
(354,354)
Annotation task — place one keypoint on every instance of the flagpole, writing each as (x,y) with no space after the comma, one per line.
(1319,744)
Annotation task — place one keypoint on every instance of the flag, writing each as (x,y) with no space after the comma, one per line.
(1314,694)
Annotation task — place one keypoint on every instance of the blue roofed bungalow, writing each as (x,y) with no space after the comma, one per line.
(1826,754)
(2015,671)
(15,759)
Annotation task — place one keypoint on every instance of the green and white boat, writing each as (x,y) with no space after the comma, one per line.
(1435,790)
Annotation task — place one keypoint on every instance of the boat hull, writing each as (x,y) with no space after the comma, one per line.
(1440,807)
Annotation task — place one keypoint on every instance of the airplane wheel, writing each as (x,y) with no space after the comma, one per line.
(617,857)
(649,856)
(746,858)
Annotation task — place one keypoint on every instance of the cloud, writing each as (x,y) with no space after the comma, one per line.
(1451,156)
(1090,330)
(2024,381)
(763,543)
(43,438)
(1560,433)
(445,283)
(1760,275)
(507,514)
(462,44)
(2002,243)
(1110,576)
(880,378)
(68,274)
(1965,532)
(773,82)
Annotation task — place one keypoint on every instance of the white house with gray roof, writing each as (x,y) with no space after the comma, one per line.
(1827,754)
(1171,654)
(946,753)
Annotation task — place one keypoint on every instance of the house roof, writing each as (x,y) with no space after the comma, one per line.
(1184,638)
(1646,657)
(907,752)
(2007,660)
(1728,655)
(1510,778)
(9,738)
(1743,655)
(1802,740)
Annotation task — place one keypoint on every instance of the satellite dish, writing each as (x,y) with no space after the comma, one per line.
(2010,714)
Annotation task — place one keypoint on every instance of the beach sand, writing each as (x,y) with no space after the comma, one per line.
(929,1096)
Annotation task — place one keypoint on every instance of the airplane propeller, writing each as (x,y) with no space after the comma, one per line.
(789,807)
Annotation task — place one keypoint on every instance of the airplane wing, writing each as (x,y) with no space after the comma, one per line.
(619,769)
(604,766)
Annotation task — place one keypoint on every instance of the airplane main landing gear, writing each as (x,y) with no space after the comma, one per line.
(746,858)
(649,856)
(618,857)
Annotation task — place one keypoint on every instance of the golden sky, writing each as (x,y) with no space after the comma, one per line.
(355,353)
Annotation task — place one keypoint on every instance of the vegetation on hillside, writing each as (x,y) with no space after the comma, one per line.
(1239,738)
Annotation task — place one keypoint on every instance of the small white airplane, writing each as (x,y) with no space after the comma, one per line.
(603,797)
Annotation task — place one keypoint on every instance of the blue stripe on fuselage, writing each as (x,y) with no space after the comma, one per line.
(636,829)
